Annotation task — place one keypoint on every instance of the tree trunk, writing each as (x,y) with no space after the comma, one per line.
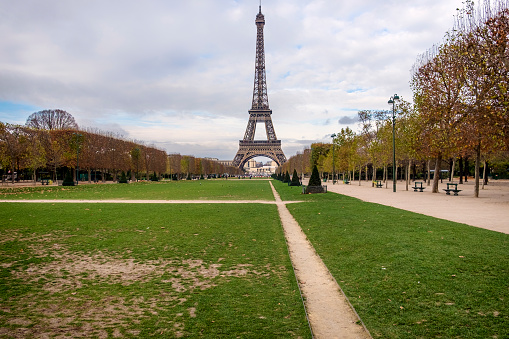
(385,175)
(408,173)
(466,170)
(360,174)
(436,177)
(477,169)
(451,178)
(461,170)
(429,171)
(89,175)
(484,175)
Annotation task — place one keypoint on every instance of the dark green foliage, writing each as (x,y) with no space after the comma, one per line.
(154,177)
(315,178)
(295,179)
(286,177)
(123,178)
(68,180)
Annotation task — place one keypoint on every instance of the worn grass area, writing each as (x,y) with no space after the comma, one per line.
(409,275)
(232,189)
(90,270)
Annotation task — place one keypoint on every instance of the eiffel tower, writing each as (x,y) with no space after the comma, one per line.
(259,112)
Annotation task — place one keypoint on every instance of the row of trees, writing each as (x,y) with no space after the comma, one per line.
(50,144)
(33,150)
(187,166)
(461,87)
(459,112)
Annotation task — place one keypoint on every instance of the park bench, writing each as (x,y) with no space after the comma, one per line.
(346,181)
(455,189)
(418,186)
(45,181)
(378,183)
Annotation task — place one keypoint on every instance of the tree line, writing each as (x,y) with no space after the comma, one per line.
(459,110)
(50,145)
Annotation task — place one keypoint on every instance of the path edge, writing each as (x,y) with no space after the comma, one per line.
(335,281)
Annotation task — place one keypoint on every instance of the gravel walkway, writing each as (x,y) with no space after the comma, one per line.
(329,312)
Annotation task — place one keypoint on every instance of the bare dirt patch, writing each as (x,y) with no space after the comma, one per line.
(76,292)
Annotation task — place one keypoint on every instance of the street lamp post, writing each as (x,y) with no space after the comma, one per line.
(392,101)
(333,161)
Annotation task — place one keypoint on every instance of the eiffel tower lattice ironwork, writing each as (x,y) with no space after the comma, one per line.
(259,112)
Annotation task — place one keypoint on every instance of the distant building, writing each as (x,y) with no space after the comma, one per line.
(225,162)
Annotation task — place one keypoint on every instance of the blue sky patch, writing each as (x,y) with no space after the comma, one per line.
(13,112)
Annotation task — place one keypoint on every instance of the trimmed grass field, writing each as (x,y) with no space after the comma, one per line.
(409,275)
(134,270)
(222,270)
(232,189)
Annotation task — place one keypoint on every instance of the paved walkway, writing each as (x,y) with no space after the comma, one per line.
(77,201)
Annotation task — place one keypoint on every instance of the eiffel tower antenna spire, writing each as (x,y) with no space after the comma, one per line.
(260,111)
(260,97)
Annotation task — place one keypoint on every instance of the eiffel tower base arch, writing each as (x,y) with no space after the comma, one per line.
(249,149)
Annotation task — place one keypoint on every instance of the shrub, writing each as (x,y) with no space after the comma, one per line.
(154,177)
(295,179)
(123,178)
(68,180)
(286,177)
(315,178)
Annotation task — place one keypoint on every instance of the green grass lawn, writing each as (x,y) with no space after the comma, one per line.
(409,275)
(200,270)
(232,189)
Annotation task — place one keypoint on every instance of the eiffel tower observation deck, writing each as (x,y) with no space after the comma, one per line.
(259,112)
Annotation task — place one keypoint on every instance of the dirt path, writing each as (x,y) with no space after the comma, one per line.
(118,201)
(329,312)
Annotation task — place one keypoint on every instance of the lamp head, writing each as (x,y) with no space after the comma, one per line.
(390,102)
(396,97)
(333,135)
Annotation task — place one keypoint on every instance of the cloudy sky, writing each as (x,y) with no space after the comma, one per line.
(179,73)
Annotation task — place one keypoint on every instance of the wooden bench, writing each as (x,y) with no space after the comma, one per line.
(378,183)
(418,186)
(45,182)
(455,190)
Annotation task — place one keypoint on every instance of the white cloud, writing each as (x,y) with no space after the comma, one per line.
(180,73)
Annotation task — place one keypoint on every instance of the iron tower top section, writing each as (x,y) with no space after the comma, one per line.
(259,17)
(260,97)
